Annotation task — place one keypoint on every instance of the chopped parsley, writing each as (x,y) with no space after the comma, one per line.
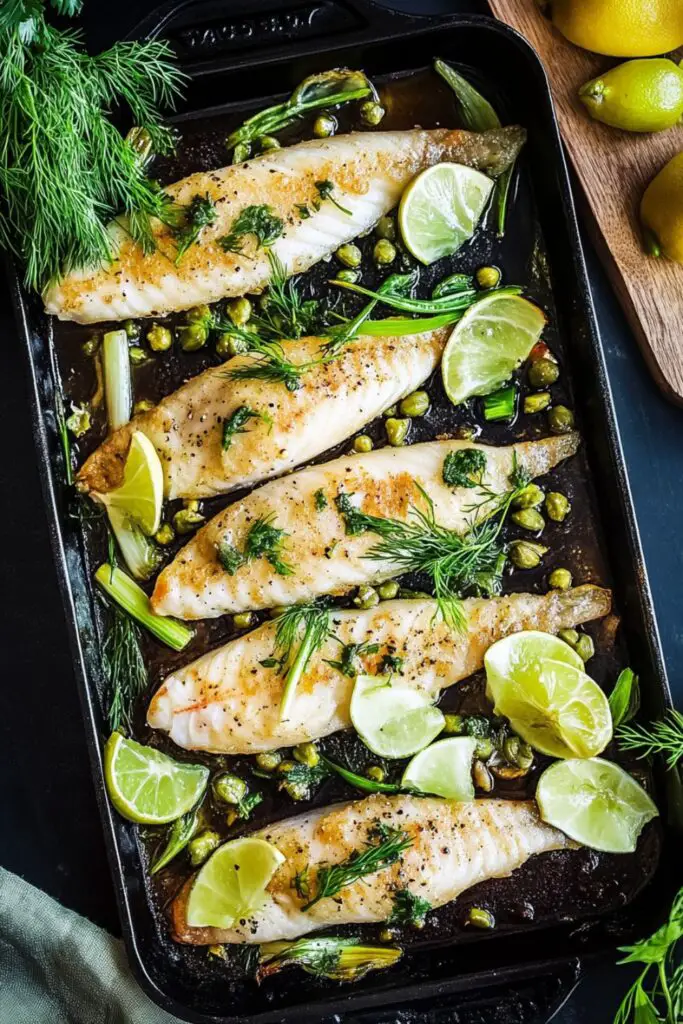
(237,422)
(409,909)
(321,501)
(265,541)
(464,468)
(392,663)
(348,663)
(229,557)
(260,221)
(355,521)
(325,190)
(200,213)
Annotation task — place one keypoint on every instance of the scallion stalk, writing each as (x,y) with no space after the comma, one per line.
(132,598)
(118,389)
(140,554)
(500,405)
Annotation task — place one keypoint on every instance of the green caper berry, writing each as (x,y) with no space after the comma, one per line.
(384,252)
(416,404)
(530,497)
(243,620)
(132,329)
(307,753)
(229,788)
(191,503)
(454,724)
(397,431)
(480,918)
(525,756)
(201,846)
(526,555)
(529,519)
(192,337)
(349,276)
(90,347)
(367,597)
(241,152)
(560,419)
(324,126)
(488,277)
(277,611)
(557,506)
(542,373)
(371,113)
(483,749)
(386,228)
(268,142)
(388,591)
(165,534)
(560,579)
(362,443)
(585,648)
(227,345)
(143,405)
(511,748)
(482,777)
(391,411)
(198,314)
(570,636)
(536,403)
(239,311)
(185,520)
(286,766)
(376,773)
(269,760)
(466,432)
(296,790)
(349,255)
(137,355)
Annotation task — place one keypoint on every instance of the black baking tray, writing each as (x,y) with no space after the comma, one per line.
(248,54)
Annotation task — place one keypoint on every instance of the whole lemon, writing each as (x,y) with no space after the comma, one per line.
(621,28)
(661,212)
(638,96)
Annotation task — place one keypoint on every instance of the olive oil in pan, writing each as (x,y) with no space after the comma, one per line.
(557,886)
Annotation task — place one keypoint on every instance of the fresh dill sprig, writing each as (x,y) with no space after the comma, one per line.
(333,958)
(300,631)
(391,846)
(124,668)
(350,653)
(260,221)
(663,737)
(409,909)
(657,1000)
(326,191)
(266,541)
(200,213)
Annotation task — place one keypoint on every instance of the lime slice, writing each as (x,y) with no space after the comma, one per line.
(520,655)
(440,210)
(596,803)
(391,719)
(232,883)
(444,768)
(495,335)
(141,494)
(555,707)
(148,787)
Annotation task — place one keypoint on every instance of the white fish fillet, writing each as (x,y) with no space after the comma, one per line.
(228,702)
(455,846)
(324,559)
(334,401)
(368,171)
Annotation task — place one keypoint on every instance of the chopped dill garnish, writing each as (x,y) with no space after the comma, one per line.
(229,557)
(392,663)
(260,221)
(409,909)
(392,843)
(237,422)
(464,468)
(124,668)
(350,653)
(266,541)
(325,190)
(200,213)
(663,737)
(321,501)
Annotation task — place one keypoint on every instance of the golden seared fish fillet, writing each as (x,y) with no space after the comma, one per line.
(454,846)
(334,400)
(228,701)
(368,172)
(314,554)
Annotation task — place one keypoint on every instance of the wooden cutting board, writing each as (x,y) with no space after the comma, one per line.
(614,168)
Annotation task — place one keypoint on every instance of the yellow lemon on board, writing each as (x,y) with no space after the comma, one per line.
(661,212)
(621,28)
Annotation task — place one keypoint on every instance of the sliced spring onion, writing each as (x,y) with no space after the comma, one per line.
(132,598)
(140,554)
(118,388)
(399,326)
(360,781)
(500,405)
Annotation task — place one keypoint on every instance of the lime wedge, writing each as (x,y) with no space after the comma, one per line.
(141,494)
(393,720)
(148,787)
(232,883)
(555,707)
(444,769)
(440,210)
(493,338)
(520,655)
(596,803)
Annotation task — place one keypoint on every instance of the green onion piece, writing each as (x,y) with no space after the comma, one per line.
(129,596)
(397,327)
(140,554)
(340,959)
(500,405)
(179,835)
(360,781)
(118,389)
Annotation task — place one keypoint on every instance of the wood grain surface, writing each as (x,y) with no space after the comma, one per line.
(614,168)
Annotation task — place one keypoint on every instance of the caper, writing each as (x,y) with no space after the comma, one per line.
(386,228)
(529,519)
(201,846)
(524,554)
(560,419)
(243,620)
(454,724)
(488,277)
(482,777)
(137,355)
(347,275)
(165,534)
(530,497)
(371,113)
(198,314)
(387,935)
(525,756)
(191,503)
(269,760)
(241,152)
(511,746)
(376,773)
(414,595)
(416,404)
(480,918)
(307,753)
(557,506)
(286,766)
(143,405)
(268,142)
(349,255)
(483,749)
(570,636)
(192,337)
(324,126)
(229,788)
(560,579)
(384,252)
(367,597)
(239,311)
(466,432)
(397,431)
(277,611)
(536,403)
(542,373)
(391,411)
(90,347)
(362,443)
(228,345)
(185,520)
(295,790)
(132,329)
(388,591)
(585,648)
